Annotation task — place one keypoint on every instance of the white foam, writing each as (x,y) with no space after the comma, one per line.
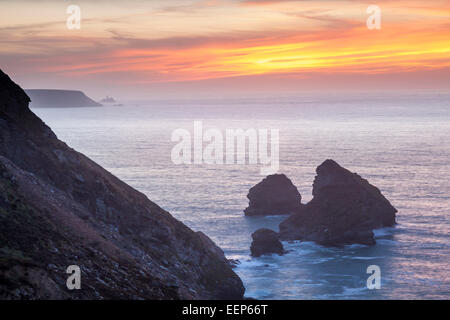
(356,246)
(383,232)
(347,291)
(364,258)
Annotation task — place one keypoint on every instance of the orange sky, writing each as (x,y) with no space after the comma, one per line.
(151,47)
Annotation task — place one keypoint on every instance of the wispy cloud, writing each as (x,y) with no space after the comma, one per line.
(199,40)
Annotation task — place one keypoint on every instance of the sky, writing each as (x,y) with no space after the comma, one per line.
(156,49)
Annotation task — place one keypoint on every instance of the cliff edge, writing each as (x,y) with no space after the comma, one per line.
(58,208)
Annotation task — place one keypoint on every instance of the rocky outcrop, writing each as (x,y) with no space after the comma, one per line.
(59,208)
(265,241)
(344,210)
(108,99)
(274,195)
(49,98)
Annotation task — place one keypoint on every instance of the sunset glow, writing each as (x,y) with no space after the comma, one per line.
(183,41)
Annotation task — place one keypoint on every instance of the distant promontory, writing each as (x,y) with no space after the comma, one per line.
(49,98)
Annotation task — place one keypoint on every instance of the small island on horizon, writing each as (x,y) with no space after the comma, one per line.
(108,99)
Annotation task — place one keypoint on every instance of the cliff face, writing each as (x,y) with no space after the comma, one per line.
(59,208)
(59,99)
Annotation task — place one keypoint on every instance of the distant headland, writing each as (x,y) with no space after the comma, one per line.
(49,98)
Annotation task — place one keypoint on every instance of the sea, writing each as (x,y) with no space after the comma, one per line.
(400,142)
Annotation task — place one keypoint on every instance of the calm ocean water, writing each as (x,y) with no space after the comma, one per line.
(400,143)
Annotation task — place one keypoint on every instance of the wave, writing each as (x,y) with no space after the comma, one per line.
(383,232)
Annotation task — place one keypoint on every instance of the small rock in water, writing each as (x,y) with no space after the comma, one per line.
(265,241)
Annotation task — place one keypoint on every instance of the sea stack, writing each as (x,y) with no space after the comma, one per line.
(265,241)
(274,195)
(344,210)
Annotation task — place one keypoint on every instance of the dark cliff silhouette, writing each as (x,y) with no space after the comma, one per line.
(59,208)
